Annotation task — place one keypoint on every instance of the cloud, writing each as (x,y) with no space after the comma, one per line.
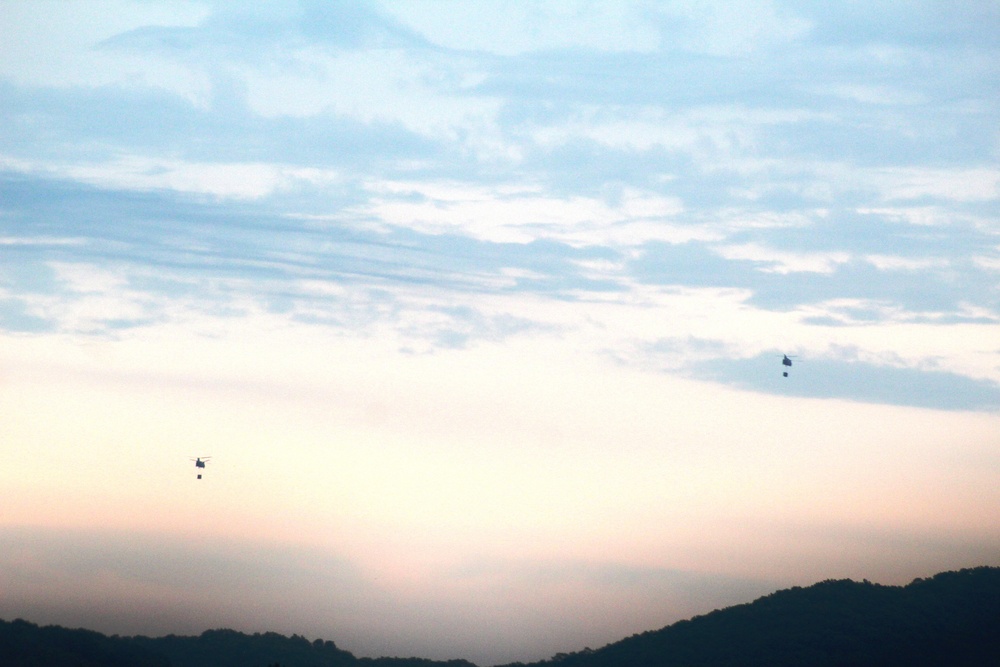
(523,214)
(147,136)
(345,60)
(433,261)
(256,32)
(925,24)
(16,316)
(504,29)
(52,44)
(210,255)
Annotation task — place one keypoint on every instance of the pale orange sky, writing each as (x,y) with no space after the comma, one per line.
(491,487)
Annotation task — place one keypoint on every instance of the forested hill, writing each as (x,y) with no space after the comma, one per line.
(951,619)
(24,644)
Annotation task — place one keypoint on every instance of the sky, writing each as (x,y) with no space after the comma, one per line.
(479,310)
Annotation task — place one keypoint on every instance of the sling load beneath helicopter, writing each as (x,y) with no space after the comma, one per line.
(199,462)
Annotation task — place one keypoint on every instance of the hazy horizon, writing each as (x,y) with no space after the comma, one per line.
(479,310)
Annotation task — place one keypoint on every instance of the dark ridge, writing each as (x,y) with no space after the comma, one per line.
(950,619)
(24,644)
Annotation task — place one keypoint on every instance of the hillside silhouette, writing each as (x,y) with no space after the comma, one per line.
(950,619)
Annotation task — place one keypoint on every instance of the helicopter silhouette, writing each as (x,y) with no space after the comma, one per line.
(199,462)
(786,361)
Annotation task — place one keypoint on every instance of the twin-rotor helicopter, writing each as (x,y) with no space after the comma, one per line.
(199,462)
(786,361)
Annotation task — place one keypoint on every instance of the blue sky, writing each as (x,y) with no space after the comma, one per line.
(479,309)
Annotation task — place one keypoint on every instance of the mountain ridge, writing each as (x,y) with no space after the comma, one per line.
(950,619)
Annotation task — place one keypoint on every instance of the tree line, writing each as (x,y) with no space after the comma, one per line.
(949,619)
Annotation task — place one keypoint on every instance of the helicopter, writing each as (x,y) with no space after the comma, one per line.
(199,462)
(786,361)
